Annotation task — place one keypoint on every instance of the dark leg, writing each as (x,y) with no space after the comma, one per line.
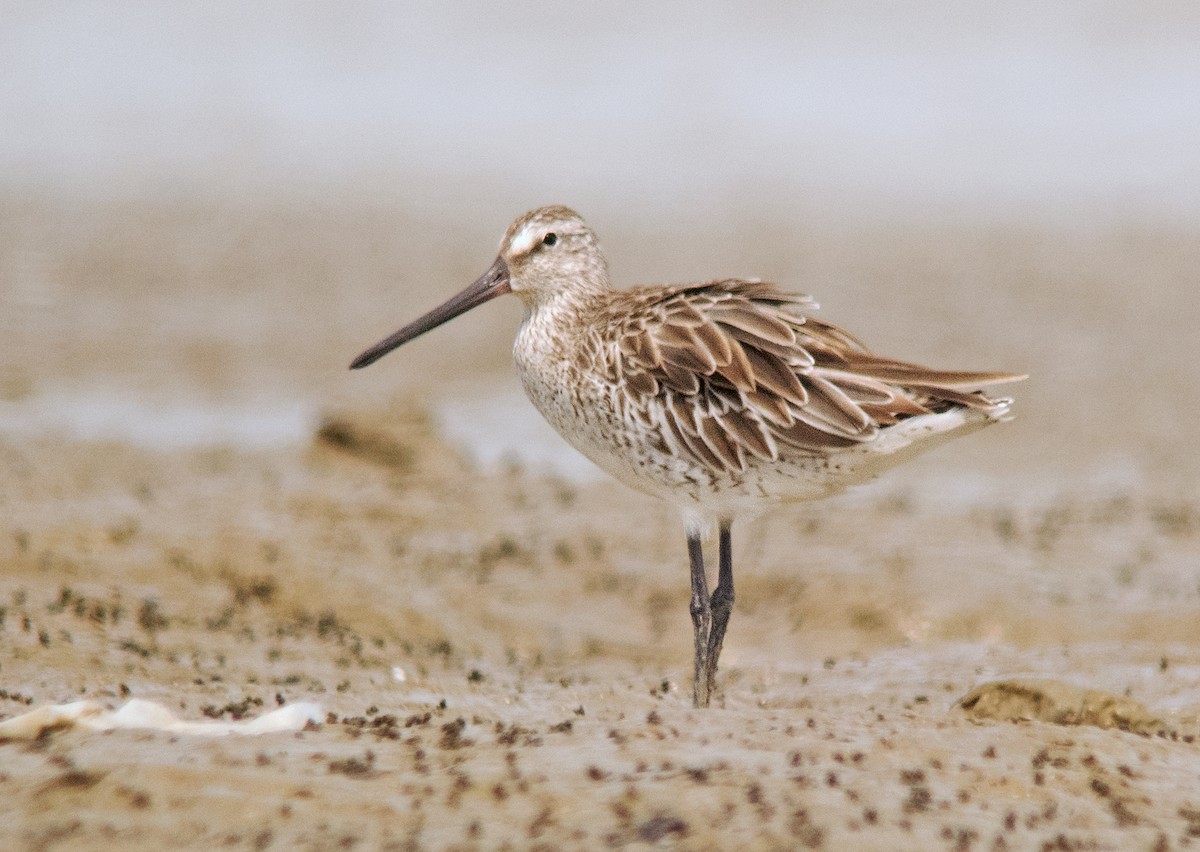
(701,619)
(721,606)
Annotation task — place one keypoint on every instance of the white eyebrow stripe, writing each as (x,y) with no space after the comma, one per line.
(523,242)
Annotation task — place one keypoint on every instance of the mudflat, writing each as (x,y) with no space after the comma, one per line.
(995,648)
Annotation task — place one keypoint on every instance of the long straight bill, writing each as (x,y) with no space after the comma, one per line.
(488,286)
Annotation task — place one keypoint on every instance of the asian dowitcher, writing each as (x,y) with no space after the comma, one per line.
(722,398)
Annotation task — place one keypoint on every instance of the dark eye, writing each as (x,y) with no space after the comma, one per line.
(550,239)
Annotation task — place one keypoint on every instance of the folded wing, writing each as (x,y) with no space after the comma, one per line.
(735,369)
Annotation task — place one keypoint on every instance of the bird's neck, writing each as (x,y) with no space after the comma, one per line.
(577,294)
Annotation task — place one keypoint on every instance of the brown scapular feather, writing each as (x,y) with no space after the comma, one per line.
(641,384)
(758,323)
(738,371)
(691,358)
(675,335)
(789,353)
(776,376)
(735,370)
(716,344)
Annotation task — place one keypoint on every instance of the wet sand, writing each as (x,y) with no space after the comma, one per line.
(503,655)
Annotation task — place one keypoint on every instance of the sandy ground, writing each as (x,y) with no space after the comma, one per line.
(503,655)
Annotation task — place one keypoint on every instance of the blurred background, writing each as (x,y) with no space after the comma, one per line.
(207,209)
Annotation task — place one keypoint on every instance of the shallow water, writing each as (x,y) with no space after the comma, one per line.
(97,414)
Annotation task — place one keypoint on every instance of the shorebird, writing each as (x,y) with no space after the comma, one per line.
(723,398)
